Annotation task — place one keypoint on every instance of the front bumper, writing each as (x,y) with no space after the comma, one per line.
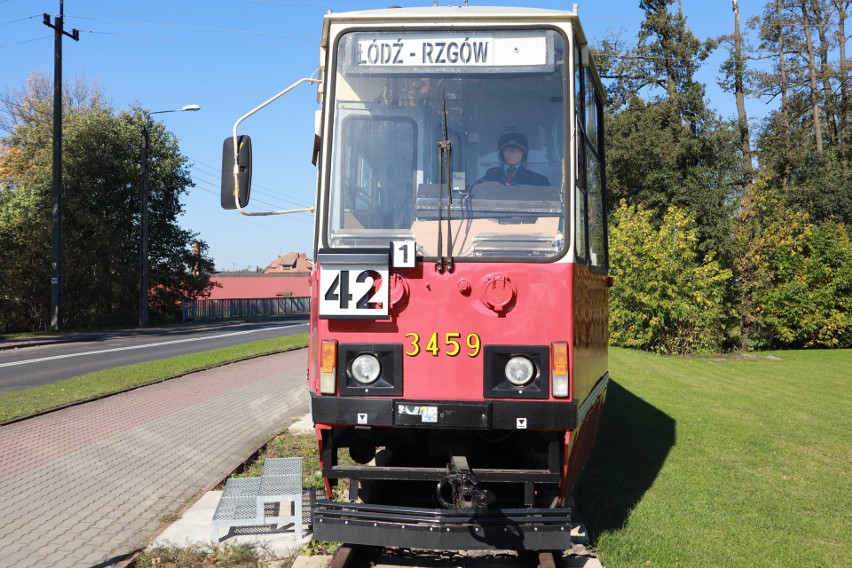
(476,415)
(438,529)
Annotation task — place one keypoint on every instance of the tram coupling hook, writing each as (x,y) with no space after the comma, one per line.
(465,494)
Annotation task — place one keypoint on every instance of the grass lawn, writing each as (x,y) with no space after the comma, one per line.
(723,461)
(21,403)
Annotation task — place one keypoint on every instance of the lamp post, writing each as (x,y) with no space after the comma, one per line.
(144,284)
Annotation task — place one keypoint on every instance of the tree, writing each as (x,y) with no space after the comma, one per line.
(664,145)
(665,298)
(101,154)
(794,277)
(734,70)
(805,145)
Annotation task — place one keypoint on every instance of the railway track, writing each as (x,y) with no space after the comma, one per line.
(356,556)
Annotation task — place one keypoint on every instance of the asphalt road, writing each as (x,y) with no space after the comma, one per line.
(50,361)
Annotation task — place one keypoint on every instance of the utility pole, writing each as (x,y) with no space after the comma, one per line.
(56,273)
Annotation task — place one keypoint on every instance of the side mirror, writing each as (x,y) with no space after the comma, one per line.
(244,175)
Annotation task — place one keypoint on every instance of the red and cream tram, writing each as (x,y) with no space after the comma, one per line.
(458,344)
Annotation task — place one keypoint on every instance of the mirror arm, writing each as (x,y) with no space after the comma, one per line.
(237,153)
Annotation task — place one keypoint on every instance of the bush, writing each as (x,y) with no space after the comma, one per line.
(800,293)
(665,298)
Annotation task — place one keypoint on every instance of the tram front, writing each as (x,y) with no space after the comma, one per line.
(444,341)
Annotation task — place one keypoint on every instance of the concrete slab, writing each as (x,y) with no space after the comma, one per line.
(311,562)
(193,528)
(305,425)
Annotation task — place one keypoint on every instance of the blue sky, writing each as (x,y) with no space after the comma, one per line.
(227,57)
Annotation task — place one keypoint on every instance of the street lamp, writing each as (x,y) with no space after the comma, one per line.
(143,210)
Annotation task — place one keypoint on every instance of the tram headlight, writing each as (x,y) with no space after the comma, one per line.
(519,371)
(365,368)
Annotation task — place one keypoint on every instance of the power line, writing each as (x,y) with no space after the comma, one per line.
(19,20)
(217,41)
(185,27)
(268,192)
(25,41)
(304,217)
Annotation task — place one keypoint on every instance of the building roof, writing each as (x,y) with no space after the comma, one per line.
(249,285)
(290,262)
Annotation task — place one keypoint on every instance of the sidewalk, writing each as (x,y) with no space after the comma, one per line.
(87,485)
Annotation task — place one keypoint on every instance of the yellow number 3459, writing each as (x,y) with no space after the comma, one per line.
(451,344)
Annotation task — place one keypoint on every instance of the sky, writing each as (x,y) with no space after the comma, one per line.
(228,57)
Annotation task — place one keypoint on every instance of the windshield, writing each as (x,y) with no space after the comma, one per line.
(498,97)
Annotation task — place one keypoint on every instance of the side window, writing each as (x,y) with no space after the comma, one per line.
(580,209)
(591,116)
(578,81)
(594,185)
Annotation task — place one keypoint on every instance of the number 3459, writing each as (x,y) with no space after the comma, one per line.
(450,344)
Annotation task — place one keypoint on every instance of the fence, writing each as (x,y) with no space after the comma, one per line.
(197,310)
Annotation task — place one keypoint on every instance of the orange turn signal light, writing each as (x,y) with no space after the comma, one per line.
(328,355)
(559,349)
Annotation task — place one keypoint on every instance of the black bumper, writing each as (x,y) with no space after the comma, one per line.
(438,529)
(484,415)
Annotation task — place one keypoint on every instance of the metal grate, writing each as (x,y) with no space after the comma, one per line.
(238,505)
(281,482)
(273,498)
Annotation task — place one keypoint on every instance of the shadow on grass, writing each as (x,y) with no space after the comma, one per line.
(634,440)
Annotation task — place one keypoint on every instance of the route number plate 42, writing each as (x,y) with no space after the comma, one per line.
(353,292)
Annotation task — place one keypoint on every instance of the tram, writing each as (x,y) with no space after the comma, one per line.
(458,340)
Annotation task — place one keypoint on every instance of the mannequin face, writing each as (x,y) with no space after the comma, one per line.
(512,155)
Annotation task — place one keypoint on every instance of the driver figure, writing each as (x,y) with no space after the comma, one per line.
(512,148)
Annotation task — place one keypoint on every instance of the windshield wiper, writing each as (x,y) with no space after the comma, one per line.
(445,152)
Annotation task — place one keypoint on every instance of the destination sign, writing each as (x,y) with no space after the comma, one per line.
(452,51)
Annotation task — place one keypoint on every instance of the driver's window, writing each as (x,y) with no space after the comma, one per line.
(378,169)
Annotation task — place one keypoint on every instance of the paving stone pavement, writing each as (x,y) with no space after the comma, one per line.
(87,485)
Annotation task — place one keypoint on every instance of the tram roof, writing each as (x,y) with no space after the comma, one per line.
(437,14)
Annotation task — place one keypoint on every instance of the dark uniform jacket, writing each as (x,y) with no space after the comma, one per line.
(522,176)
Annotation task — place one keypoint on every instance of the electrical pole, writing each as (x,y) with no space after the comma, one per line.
(56,273)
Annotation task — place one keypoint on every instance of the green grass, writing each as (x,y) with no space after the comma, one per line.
(224,555)
(723,461)
(288,445)
(21,403)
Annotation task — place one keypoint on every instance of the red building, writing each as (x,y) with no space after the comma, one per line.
(286,276)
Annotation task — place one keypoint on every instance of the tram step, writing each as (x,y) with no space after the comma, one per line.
(251,501)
